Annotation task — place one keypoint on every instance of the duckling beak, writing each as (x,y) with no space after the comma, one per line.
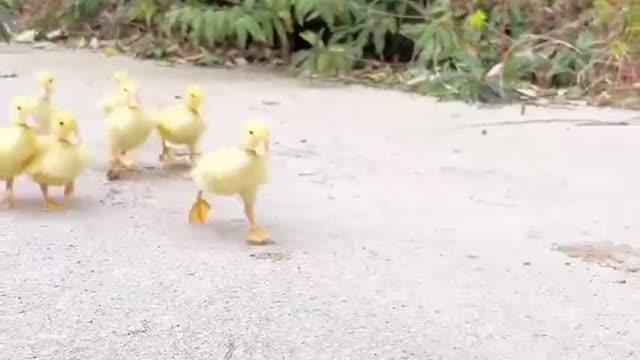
(43,91)
(260,148)
(73,138)
(31,121)
(134,102)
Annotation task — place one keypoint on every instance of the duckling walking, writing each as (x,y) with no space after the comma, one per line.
(231,171)
(182,125)
(17,145)
(60,159)
(44,108)
(128,127)
(117,99)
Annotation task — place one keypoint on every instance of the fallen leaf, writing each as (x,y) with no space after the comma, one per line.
(94,44)
(26,37)
(111,50)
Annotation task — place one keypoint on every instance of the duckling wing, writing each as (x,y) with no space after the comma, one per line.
(171,121)
(222,171)
(8,140)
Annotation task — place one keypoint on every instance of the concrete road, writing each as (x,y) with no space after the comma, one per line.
(401,231)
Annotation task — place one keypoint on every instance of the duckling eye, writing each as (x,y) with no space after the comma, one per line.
(250,132)
(19,107)
(61,123)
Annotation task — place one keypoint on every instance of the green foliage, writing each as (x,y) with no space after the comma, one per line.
(471,49)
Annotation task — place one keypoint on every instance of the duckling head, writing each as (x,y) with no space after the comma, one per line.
(194,97)
(120,77)
(130,91)
(257,137)
(22,112)
(46,82)
(65,127)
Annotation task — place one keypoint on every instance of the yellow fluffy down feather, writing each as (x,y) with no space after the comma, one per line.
(17,142)
(60,157)
(228,171)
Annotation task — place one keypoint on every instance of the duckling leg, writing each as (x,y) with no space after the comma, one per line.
(258,235)
(165,156)
(8,198)
(49,204)
(69,190)
(115,169)
(125,160)
(193,153)
(199,213)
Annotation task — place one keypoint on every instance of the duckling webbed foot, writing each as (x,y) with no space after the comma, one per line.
(166,156)
(7,199)
(199,213)
(69,190)
(49,204)
(52,205)
(125,161)
(258,235)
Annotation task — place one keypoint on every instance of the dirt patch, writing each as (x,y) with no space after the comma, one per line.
(605,253)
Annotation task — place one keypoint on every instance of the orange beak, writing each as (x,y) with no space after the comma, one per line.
(134,102)
(260,148)
(31,121)
(73,138)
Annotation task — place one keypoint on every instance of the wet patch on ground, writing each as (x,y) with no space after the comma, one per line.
(605,253)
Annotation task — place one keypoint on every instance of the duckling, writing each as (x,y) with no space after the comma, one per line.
(128,127)
(60,159)
(182,125)
(119,78)
(17,145)
(230,171)
(43,104)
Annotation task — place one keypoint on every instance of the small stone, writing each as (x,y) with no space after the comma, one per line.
(55,34)
(621,281)
(94,43)
(484,131)
(526,263)
(240,61)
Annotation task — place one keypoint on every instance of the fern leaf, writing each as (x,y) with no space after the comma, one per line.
(310,37)
(254,29)
(283,37)
(267,24)
(210,18)
(197,27)
(242,33)
(302,9)
(379,33)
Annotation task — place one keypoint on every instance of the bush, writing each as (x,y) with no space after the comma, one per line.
(477,50)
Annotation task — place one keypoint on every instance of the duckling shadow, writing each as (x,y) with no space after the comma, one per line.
(150,172)
(224,231)
(35,206)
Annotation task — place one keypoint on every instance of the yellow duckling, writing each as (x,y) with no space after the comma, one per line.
(117,99)
(230,171)
(182,125)
(17,145)
(60,159)
(43,105)
(128,127)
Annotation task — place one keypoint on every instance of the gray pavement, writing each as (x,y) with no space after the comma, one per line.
(401,231)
